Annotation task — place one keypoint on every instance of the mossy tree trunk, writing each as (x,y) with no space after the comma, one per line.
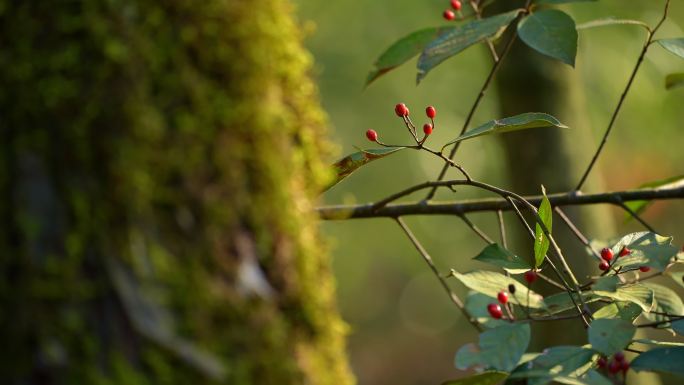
(158,164)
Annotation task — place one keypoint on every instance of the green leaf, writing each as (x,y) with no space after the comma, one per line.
(674,80)
(610,335)
(486,378)
(455,39)
(678,327)
(611,21)
(476,305)
(623,310)
(514,123)
(666,301)
(667,360)
(677,277)
(550,32)
(560,302)
(467,356)
(591,378)
(561,1)
(646,341)
(350,163)
(498,256)
(635,293)
(541,241)
(676,46)
(647,249)
(403,50)
(490,283)
(501,348)
(608,283)
(639,206)
(557,361)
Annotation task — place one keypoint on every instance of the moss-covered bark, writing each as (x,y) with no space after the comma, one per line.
(158,164)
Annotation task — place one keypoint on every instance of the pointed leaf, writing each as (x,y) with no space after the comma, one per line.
(676,46)
(514,123)
(635,293)
(666,301)
(624,310)
(667,360)
(403,50)
(350,163)
(552,33)
(674,80)
(647,249)
(611,21)
(496,255)
(490,283)
(610,335)
(541,241)
(672,182)
(460,37)
(486,378)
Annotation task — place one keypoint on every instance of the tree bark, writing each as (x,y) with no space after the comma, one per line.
(158,167)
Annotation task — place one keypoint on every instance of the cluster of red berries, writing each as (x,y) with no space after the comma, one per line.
(618,364)
(607,256)
(449,14)
(494,309)
(403,112)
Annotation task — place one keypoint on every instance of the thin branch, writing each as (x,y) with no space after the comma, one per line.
(576,231)
(478,14)
(454,298)
(502,228)
(623,96)
(476,229)
(637,217)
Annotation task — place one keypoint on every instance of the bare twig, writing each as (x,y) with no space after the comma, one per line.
(502,228)
(576,231)
(476,229)
(637,217)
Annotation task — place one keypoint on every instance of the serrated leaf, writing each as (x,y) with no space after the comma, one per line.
(403,50)
(350,163)
(666,360)
(647,249)
(476,305)
(460,37)
(514,123)
(639,206)
(562,1)
(541,241)
(558,361)
(611,21)
(560,302)
(490,283)
(666,301)
(496,255)
(486,378)
(675,46)
(674,80)
(550,32)
(635,293)
(610,335)
(624,310)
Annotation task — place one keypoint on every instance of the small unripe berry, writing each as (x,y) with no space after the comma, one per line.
(495,310)
(372,135)
(625,251)
(644,269)
(430,112)
(619,356)
(604,265)
(614,367)
(511,288)
(427,128)
(602,362)
(530,276)
(606,254)
(449,15)
(401,110)
(455,4)
(502,297)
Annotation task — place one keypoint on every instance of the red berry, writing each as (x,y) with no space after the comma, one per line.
(614,366)
(502,297)
(624,366)
(604,265)
(401,110)
(644,269)
(495,310)
(449,14)
(606,254)
(372,135)
(427,128)
(530,276)
(619,356)
(455,4)
(625,251)
(430,112)
(602,362)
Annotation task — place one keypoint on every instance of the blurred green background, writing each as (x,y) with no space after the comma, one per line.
(404,330)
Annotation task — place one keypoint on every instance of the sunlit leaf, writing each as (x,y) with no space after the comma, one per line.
(541,241)
(672,182)
(560,302)
(563,361)
(552,33)
(624,310)
(350,163)
(562,1)
(666,302)
(514,123)
(635,293)
(647,249)
(486,378)
(498,256)
(490,283)
(460,37)
(666,360)
(611,21)
(675,46)
(677,277)
(674,80)
(610,335)
(646,341)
